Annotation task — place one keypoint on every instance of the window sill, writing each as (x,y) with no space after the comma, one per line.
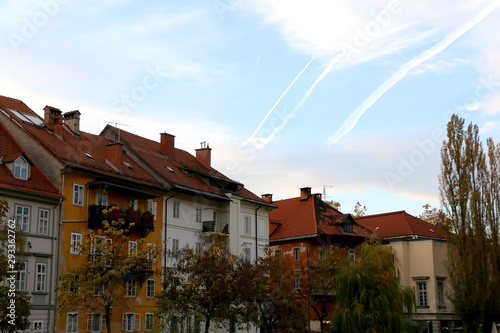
(423,306)
(39,293)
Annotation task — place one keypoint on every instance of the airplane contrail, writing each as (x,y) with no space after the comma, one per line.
(275,104)
(266,140)
(349,124)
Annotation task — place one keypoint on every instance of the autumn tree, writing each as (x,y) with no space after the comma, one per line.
(434,216)
(469,186)
(99,284)
(359,210)
(369,295)
(15,308)
(200,285)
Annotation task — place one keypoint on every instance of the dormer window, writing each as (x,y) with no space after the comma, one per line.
(21,168)
(348,226)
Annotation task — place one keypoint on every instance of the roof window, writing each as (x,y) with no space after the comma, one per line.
(90,156)
(169,169)
(128,165)
(27,118)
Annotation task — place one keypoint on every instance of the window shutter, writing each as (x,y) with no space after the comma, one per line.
(124,321)
(137,322)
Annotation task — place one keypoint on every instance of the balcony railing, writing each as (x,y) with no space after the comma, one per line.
(133,219)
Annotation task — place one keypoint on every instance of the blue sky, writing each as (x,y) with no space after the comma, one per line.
(343,96)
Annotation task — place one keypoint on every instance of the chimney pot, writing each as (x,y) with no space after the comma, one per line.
(267,197)
(167,144)
(305,193)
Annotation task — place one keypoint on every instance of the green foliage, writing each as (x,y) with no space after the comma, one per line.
(99,283)
(469,185)
(369,295)
(9,298)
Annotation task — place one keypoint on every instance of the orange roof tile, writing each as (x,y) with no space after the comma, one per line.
(400,224)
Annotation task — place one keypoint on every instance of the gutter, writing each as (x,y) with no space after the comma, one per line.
(256,234)
(165,236)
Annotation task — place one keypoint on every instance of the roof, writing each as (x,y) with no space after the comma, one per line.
(400,224)
(183,171)
(83,151)
(295,218)
(37,182)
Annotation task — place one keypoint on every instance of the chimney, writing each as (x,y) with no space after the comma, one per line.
(318,196)
(72,120)
(58,125)
(167,142)
(51,116)
(114,154)
(267,197)
(305,193)
(204,154)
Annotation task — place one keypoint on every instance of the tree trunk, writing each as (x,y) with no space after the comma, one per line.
(207,324)
(107,316)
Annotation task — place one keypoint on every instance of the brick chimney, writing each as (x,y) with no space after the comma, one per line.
(167,142)
(72,120)
(114,154)
(204,154)
(318,196)
(305,193)
(52,116)
(267,197)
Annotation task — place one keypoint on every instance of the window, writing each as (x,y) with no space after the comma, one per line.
(198,214)
(197,248)
(152,208)
(175,211)
(134,203)
(248,225)
(21,168)
(131,287)
(72,322)
(131,322)
(348,226)
(132,248)
(37,327)
(149,324)
(277,253)
(247,253)
(21,276)
(422,294)
(94,323)
(151,252)
(43,222)
(101,198)
(76,243)
(296,254)
(321,253)
(175,244)
(352,254)
(440,292)
(296,281)
(74,283)
(150,288)
(23,218)
(41,277)
(77,195)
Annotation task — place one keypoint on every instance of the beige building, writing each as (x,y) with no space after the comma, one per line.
(421,253)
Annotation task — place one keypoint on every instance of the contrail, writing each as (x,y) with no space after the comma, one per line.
(274,106)
(349,124)
(266,140)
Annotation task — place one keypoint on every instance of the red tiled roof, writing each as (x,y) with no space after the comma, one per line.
(182,170)
(400,224)
(85,151)
(311,217)
(37,182)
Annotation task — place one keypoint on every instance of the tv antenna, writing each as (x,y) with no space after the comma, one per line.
(116,125)
(324,191)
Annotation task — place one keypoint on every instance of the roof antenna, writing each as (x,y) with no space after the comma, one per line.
(116,125)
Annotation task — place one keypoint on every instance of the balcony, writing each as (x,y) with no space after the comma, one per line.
(133,220)
(212,226)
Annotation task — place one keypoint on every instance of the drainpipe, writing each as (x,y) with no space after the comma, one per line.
(165,236)
(256,234)
(55,262)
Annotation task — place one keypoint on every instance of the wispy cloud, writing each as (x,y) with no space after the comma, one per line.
(349,124)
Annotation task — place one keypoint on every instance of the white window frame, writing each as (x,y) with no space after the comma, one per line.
(422,299)
(176,209)
(352,254)
(21,168)
(132,248)
(199,214)
(43,221)
(132,287)
(76,243)
(248,225)
(91,320)
(23,214)
(101,198)
(151,252)
(150,288)
(149,319)
(175,244)
(131,322)
(21,277)
(41,277)
(152,208)
(72,322)
(37,326)
(197,248)
(78,194)
(247,253)
(440,294)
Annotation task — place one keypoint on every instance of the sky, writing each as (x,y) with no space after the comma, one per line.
(350,98)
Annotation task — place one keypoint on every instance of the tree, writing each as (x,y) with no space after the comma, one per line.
(359,210)
(434,216)
(200,285)
(369,295)
(99,284)
(469,186)
(15,308)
